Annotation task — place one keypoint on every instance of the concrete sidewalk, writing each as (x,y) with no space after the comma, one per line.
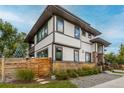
(116,83)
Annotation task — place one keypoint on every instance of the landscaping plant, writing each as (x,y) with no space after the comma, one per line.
(25,75)
(73,73)
(61,75)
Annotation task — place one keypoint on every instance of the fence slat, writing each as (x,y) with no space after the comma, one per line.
(40,66)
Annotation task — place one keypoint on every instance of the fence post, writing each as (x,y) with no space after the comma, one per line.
(3,69)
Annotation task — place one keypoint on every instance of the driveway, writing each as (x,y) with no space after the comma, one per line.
(90,81)
(117,83)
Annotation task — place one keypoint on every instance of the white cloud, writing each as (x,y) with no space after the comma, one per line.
(10,16)
(13,17)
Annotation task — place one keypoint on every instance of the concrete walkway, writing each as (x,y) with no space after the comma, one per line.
(116,83)
(111,73)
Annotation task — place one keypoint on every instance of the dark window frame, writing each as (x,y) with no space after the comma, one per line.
(59,18)
(41,30)
(89,35)
(75,31)
(40,52)
(85,57)
(74,55)
(84,33)
(61,51)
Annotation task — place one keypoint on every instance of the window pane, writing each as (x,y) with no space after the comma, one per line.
(88,57)
(42,34)
(43,53)
(60,24)
(89,35)
(58,54)
(38,36)
(83,33)
(77,32)
(76,56)
(45,30)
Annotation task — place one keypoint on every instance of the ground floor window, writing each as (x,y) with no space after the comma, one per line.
(58,53)
(76,55)
(87,57)
(43,53)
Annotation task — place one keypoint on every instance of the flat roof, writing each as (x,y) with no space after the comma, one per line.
(100,40)
(57,10)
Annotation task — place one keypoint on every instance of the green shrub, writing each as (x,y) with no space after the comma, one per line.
(25,75)
(88,71)
(80,72)
(61,75)
(72,73)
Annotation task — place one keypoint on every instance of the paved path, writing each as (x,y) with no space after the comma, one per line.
(117,83)
(90,81)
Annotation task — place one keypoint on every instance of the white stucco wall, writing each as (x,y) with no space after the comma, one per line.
(68,53)
(44,42)
(85,38)
(49,50)
(85,48)
(50,29)
(50,25)
(63,39)
(68,28)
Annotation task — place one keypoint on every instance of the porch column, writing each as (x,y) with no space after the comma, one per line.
(103,54)
(95,53)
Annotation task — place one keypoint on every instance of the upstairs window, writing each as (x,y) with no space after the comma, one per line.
(83,33)
(60,24)
(42,33)
(38,36)
(77,32)
(89,35)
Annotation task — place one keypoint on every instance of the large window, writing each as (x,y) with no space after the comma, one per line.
(77,32)
(60,24)
(58,54)
(42,33)
(87,57)
(76,55)
(43,53)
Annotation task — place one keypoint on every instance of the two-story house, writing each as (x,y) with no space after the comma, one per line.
(65,37)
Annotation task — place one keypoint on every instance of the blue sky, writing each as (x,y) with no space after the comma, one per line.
(107,19)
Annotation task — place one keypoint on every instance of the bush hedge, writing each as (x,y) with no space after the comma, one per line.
(73,73)
(25,75)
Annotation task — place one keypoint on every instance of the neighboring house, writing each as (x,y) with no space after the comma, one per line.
(64,37)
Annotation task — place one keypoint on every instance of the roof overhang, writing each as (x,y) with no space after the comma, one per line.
(101,41)
(57,10)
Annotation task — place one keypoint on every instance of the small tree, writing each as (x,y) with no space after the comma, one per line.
(111,57)
(120,56)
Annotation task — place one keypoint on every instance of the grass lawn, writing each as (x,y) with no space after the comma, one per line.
(52,84)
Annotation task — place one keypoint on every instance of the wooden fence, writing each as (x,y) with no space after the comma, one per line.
(40,66)
(71,65)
